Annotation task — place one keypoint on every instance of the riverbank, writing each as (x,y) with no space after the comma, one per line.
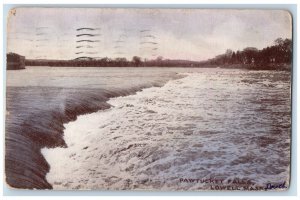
(276,67)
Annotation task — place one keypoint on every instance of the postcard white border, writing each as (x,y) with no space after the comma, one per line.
(255,4)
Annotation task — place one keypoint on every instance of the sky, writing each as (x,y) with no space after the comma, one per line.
(191,34)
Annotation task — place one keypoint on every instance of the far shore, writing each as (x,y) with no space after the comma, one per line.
(167,63)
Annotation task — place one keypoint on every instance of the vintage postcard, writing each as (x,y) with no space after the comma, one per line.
(148,99)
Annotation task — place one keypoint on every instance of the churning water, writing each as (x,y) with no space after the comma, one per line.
(202,123)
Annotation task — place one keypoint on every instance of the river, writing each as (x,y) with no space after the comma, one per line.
(146,128)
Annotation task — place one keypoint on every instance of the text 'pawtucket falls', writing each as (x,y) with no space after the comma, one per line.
(232,184)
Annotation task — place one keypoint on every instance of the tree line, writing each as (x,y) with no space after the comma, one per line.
(136,61)
(277,56)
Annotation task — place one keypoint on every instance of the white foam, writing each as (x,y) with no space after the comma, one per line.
(201,126)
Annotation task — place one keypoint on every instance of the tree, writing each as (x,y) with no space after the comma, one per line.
(121,62)
(250,54)
(136,60)
(278,42)
(288,48)
(233,58)
(159,58)
(283,50)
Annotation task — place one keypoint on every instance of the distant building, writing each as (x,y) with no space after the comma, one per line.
(15,61)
